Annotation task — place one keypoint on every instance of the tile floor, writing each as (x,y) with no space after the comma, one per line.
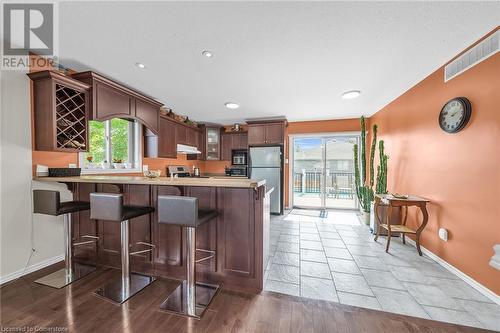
(336,259)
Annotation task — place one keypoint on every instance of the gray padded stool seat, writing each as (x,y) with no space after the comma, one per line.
(109,208)
(48,202)
(182,211)
(189,298)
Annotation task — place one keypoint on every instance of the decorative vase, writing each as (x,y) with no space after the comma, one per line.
(372,217)
(366,218)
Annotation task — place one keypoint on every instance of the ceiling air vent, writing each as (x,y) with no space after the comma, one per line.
(475,55)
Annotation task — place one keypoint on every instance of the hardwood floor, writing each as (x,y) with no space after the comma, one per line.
(76,309)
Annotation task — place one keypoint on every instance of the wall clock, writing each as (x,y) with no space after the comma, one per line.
(455,115)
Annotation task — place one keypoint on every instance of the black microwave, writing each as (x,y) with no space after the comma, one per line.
(239,157)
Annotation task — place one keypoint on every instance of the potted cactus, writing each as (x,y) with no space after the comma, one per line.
(364,181)
(381,187)
(364,184)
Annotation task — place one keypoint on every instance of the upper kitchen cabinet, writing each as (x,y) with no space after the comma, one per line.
(110,99)
(226,146)
(231,141)
(163,144)
(192,137)
(212,138)
(240,140)
(61,109)
(147,112)
(181,134)
(266,132)
(171,132)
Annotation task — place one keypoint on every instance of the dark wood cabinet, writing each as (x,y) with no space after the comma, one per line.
(187,134)
(147,112)
(181,134)
(171,132)
(201,144)
(192,137)
(266,133)
(231,141)
(110,99)
(240,141)
(236,234)
(256,134)
(226,146)
(167,145)
(61,110)
(110,103)
(212,143)
(275,133)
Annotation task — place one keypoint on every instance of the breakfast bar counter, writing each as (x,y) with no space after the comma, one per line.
(239,234)
(216,181)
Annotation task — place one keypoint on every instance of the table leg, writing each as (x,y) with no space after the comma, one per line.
(421,228)
(377,218)
(389,215)
(404,223)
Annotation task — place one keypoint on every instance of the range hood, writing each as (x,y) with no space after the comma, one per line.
(184,149)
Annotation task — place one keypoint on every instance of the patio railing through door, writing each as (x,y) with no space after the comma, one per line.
(337,183)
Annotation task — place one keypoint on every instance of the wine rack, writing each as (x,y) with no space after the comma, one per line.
(61,112)
(70,118)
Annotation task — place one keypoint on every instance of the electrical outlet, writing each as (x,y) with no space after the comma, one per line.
(443,234)
(145,167)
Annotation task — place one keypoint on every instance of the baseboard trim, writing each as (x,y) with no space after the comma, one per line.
(464,277)
(30,269)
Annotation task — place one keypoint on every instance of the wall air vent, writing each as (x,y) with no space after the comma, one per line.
(475,55)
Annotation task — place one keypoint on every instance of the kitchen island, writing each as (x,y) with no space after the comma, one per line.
(239,235)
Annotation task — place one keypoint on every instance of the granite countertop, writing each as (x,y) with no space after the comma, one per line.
(217,181)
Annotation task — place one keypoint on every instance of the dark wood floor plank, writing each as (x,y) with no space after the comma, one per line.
(25,303)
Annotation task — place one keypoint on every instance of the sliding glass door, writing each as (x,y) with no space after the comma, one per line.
(323,172)
(308,166)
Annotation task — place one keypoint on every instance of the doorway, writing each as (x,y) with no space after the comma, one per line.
(323,171)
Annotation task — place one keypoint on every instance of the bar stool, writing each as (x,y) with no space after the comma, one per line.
(109,208)
(48,202)
(189,298)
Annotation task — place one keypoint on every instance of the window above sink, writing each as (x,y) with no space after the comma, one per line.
(114,147)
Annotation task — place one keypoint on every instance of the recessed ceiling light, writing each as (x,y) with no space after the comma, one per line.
(140,65)
(351,94)
(207,54)
(231,105)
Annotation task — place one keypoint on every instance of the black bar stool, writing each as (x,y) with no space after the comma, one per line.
(189,298)
(48,202)
(109,207)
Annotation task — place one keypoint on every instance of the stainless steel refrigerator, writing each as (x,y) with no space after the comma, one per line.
(267,163)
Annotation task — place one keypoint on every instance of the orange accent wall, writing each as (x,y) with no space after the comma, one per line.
(215,166)
(459,173)
(311,127)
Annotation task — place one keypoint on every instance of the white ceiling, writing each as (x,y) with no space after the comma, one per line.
(273,58)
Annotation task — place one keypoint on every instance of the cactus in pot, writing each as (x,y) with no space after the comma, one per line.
(363,184)
(381,187)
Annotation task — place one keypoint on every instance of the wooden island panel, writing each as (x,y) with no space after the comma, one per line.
(236,234)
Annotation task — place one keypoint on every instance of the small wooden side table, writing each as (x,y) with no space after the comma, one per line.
(390,201)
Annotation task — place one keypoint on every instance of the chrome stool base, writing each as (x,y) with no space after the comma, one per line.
(64,276)
(120,290)
(178,301)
